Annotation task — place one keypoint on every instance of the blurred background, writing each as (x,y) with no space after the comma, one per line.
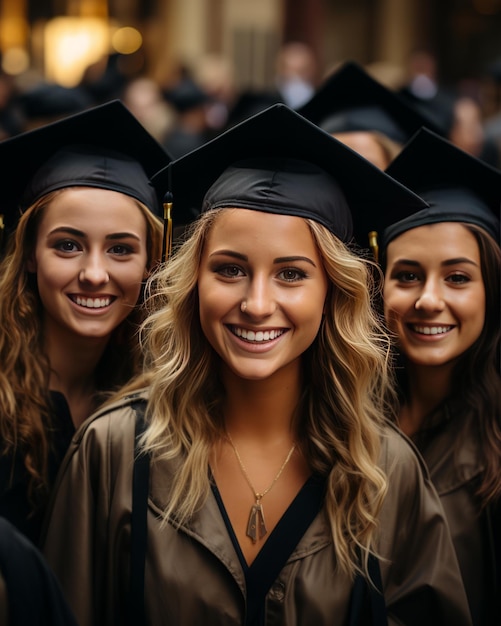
(190,68)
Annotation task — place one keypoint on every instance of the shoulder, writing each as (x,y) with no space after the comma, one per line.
(399,455)
(411,499)
(119,414)
(108,434)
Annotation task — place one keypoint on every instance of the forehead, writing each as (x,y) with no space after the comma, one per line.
(259,231)
(81,207)
(441,241)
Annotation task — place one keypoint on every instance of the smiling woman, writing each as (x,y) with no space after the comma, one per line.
(89,274)
(276,486)
(442,300)
(71,281)
(284,295)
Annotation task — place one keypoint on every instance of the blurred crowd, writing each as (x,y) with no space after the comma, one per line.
(195,104)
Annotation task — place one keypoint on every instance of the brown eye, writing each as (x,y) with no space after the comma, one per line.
(67,245)
(230,271)
(121,250)
(458,279)
(292,274)
(406,277)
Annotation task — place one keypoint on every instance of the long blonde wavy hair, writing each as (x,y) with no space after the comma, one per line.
(341,411)
(25,411)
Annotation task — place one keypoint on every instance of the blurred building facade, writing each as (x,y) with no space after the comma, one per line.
(61,39)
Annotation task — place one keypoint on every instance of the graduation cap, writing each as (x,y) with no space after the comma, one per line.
(457,186)
(250,102)
(49,100)
(350,100)
(186,95)
(279,162)
(104,147)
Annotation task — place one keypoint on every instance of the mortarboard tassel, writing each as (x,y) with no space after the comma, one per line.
(373,245)
(167,240)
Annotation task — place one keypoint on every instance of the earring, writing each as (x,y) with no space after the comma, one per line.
(243,306)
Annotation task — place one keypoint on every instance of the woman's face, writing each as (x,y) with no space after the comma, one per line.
(434,293)
(90,258)
(262,288)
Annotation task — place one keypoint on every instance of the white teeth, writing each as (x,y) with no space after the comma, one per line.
(259,336)
(432,330)
(92,303)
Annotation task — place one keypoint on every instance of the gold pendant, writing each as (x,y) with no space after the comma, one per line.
(256,527)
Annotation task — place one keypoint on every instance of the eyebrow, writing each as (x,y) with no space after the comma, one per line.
(80,233)
(282,259)
(445,263)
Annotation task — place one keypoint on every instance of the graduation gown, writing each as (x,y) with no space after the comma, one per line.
(29,592)
(454,459)
(193,574)
(14,503)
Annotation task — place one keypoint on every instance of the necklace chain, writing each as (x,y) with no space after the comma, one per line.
(256,524)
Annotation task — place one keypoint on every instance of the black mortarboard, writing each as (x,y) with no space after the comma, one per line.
(457,186)
(186,95)
(104,147)
(351,100)
(279,162)
(250,102)
(51,101)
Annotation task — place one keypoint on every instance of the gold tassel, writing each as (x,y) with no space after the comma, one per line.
(167,240)
(373,245)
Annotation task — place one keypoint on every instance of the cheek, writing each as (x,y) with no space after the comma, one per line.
(308,311)
(51,275)
(395,302)
(134,292)
(131,278)
(476,311)
(211,306)
(393,312)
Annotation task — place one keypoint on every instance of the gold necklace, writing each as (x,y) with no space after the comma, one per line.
(256,526)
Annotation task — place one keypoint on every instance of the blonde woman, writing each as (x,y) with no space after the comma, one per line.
(276,486)
(71,288)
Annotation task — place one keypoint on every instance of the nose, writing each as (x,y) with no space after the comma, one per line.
(93,270)
(259,300)
(430,298)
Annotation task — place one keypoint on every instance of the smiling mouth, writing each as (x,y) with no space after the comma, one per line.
(259,336)
(430,330)
(92,303)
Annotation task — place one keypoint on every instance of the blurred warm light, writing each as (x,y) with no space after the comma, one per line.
(13,30)
(71,45)
(15,61)
(126,40)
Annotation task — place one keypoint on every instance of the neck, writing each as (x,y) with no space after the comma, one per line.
(428,387)
(261,410)
(73,363)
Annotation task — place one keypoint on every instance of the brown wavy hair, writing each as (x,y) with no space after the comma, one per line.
(25,406)
(477,386)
